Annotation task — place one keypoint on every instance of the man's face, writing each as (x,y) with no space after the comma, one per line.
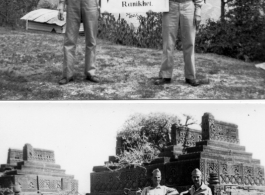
(197,179)
(156,178)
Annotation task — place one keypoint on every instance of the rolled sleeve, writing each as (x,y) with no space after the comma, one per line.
(168,190)
(198,6)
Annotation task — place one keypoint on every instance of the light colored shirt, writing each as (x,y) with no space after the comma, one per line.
(202,190)
(159,190)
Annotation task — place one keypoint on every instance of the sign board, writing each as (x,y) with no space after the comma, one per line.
(134,6)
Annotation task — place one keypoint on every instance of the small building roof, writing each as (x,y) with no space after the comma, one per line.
(45,16)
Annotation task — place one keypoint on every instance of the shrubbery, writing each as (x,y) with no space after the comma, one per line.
(241,35)
(12,10)
(143,137)
(47,5)
(147,35)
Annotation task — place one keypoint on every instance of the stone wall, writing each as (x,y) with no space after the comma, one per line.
(215,149)
(14,156)
(34,154)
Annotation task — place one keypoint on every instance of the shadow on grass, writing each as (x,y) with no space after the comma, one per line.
(24,91)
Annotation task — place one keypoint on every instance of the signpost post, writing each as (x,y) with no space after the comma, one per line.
(134,6)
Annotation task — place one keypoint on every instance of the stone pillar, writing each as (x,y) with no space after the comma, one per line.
(207,125)
(28,152)
(118,145)
(174,134)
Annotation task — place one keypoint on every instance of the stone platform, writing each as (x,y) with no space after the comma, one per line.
(214,150)
(34,171)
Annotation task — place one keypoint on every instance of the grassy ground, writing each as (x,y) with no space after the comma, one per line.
(31,63)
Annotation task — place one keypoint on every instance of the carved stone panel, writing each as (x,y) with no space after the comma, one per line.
(218,130)
(33,154)
(28,183)
(49,184)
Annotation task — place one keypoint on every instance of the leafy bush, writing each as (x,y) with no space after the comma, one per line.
(154,128)
(12,10)
(143,137)
(47,5)
(147,35)
(241,35)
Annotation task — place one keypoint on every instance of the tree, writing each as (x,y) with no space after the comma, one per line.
(224,3)
(145,136)
(12,10)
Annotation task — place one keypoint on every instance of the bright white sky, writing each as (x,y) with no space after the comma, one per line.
(82,134)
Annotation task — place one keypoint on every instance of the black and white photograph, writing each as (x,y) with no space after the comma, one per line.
(132,148)
(132,49)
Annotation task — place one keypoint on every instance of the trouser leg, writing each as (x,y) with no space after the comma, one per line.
(71,35)
(90,20)
(170,24)
(188,31)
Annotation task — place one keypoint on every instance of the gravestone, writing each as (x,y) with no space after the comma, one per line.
(34,171)
(225,165)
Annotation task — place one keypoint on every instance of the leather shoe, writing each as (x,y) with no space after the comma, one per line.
(162,81)
(195,82)
(64,81)
(93,79)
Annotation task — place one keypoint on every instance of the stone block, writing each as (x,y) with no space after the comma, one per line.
(28,183)
(49,184)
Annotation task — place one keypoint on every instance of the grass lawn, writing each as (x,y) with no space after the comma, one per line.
(31,63)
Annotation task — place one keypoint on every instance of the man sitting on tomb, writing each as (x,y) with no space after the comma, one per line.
(199,188)
(156,188)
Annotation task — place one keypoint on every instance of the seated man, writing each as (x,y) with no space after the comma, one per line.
(156,188)
(199,188)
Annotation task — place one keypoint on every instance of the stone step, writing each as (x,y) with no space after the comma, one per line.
(41,169)
(39,164)
(220,151)
(221,144)
(32,172)
(160,160)
(199,155)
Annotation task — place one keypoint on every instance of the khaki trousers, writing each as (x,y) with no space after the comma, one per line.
(180,15)
(87,11)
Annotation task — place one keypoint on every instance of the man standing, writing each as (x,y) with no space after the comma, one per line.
(77,11)
(186,15)
(199,188)
(156,188)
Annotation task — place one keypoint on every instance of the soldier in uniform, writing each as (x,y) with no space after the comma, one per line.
(156,188)
(186,15)
(77,11)
(199,188)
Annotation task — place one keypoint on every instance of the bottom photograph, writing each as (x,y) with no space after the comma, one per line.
(132,148)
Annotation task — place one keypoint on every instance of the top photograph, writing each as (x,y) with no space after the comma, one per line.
(60,50)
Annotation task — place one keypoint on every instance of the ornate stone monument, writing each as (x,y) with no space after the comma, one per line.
(35,171)
(225,165)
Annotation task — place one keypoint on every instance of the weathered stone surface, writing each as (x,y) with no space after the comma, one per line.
(35,171)
(215,150)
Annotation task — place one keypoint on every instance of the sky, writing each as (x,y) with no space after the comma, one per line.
(83,134)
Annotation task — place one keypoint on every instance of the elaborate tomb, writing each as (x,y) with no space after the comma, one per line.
(226,167)
(34,171)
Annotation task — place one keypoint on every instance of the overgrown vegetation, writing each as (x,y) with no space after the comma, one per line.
(143,137)
(12,10)
(47,5)
(240,34)
(147,35)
